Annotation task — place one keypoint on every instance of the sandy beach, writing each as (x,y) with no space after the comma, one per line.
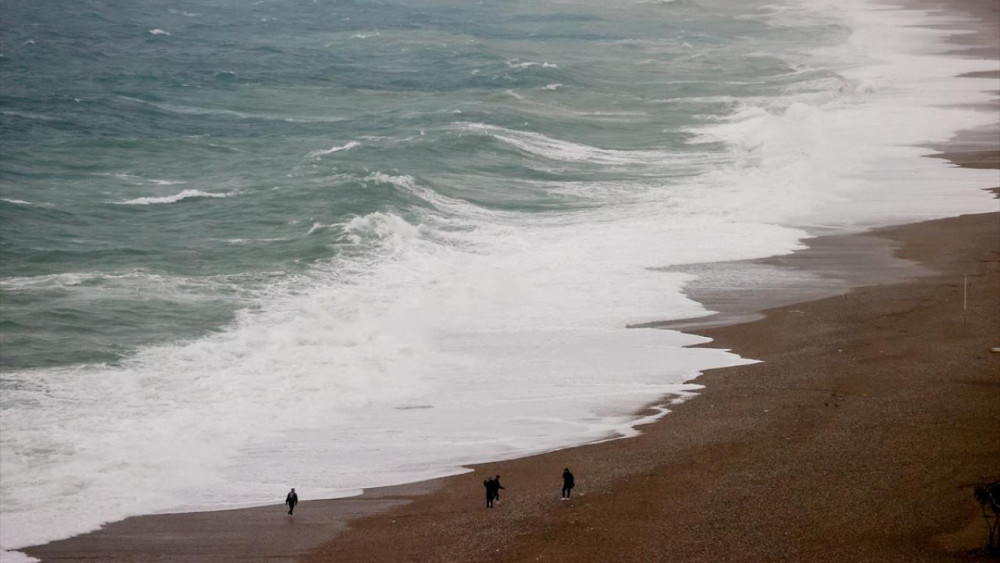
(859,437)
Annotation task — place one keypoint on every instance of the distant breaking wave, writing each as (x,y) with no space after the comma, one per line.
(186,194)
(28,115)
(102,281)
(386,227)
(557,149)
(190,110)
(518,63)
(332,150)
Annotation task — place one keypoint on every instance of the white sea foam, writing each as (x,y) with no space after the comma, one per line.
(440,202)
(316,227)
(85,285)
(15,557)
(253,240)
(50,281)
(28,115)
(381,226)
(17,201)
(518,63)
(186,194)
(194,110)
(331,150)
(557,149)
(406,330)
(856,158)
(138,180)
(158,32)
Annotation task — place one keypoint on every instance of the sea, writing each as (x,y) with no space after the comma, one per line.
(335,244)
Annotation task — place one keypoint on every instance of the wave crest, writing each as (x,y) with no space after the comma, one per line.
(332,150)
(186,194)
(380,226)
(566,151)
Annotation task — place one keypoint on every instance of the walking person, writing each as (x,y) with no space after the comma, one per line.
(493,487)
(568,483)
(496,488)
(291,500)
(488,483)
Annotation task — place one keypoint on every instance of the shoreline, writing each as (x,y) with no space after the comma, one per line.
(239,534)
(758,462)
(358,528)
(317,533)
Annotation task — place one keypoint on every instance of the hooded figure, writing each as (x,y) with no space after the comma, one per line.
(291,500)
(568,483)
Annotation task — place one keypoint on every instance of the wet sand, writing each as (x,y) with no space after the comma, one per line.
(859,438)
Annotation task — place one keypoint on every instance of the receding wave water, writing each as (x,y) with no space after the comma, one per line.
(334,246)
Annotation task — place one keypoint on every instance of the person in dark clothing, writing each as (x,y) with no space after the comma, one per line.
(489,492)
(496,488)
(493,487)
(291,500)
(568,483)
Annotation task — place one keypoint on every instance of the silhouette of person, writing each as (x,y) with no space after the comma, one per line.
(291,500)
(493,487)
(496,487)
(568,483)
(488,483)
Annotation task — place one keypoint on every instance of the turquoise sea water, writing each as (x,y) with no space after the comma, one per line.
(172,158)
(339,232)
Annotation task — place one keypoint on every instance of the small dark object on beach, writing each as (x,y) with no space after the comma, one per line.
(568,483)
(989,502)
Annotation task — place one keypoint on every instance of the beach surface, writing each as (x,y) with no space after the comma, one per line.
(859,437)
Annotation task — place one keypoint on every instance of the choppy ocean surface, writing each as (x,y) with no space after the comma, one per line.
(337,244)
